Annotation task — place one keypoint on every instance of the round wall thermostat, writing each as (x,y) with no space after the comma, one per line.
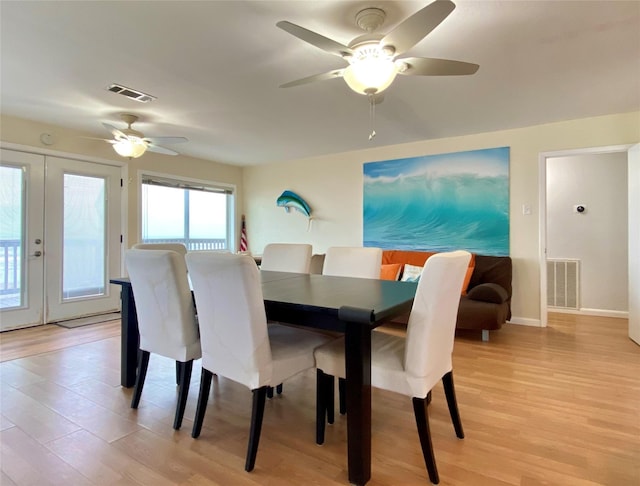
(46,139)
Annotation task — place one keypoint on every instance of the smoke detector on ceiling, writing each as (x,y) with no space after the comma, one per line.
(130,93)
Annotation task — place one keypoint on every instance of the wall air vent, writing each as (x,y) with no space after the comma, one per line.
(563,289)
(131,93)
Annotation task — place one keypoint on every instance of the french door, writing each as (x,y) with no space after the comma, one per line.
(60,235)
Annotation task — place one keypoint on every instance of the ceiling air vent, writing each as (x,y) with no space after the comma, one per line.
(131,93)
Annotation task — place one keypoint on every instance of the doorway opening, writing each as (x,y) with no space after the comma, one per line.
(612,299)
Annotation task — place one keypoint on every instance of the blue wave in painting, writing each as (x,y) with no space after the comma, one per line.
(461,210)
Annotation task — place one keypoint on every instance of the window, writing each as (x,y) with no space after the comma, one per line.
(193,213)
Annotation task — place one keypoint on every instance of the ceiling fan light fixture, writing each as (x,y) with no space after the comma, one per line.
(371,70)
(132,147)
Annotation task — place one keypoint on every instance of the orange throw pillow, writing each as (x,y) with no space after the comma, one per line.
(418,258)
(390,271)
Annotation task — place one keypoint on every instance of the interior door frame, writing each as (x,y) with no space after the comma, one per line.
(124,175)
(542,204)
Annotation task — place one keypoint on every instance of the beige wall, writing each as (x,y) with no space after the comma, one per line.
(332,185)
(72,143)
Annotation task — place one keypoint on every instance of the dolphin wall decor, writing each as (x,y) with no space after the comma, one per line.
(289,199)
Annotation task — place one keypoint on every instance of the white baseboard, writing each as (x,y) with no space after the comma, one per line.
(525,321)
(592,312)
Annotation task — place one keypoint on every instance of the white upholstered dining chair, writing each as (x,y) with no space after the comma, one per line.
(166,317)
(410,365)
(179,248)
(286,257)
(344,261)
(236,341)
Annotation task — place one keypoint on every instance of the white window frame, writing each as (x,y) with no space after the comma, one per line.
(186,183)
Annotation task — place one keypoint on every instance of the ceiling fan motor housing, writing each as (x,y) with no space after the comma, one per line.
(370,19)
(130,119)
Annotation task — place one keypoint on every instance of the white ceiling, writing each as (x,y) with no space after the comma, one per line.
(215,68)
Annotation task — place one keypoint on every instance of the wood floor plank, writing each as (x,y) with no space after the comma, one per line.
(101,463)
(556,406)
(33,418)
(39,339)
(177,463)
(90,416)
(25,461)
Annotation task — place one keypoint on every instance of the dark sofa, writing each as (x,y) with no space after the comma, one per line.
(485,306)
(486,303)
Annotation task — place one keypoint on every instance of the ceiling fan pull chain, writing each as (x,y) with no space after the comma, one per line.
(372,116)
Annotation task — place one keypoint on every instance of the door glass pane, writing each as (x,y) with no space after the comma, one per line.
(84,235)
(11,236)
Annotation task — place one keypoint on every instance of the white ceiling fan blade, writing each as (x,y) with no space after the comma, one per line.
(315,39)
(166,140)
(336,73)
(98,138)
(160,150)
(428,66)
(412,30)
(118,134)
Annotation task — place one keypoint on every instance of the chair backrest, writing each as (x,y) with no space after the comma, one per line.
(317,263)
(432,322)
(286,257)
(179,248)
(342,261)
(166,314)
(233,323)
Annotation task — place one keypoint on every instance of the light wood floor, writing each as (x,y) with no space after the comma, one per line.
(554,406)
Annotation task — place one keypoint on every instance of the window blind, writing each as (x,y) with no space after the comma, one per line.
(191,186)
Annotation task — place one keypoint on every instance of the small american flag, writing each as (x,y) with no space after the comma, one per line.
(244,245)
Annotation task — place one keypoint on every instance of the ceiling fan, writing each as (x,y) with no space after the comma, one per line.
(131,143)
(372,57)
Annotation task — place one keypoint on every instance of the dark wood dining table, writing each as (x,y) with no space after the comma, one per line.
(353,306)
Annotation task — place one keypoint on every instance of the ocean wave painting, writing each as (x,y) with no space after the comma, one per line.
(439,202)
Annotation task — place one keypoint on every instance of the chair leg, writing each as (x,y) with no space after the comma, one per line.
(269,392)
(185,381)
(450,393)
(143,364)
(329,384)
(279,389)
(321,405)
(342,392)
(257,413)
(178,372)
(422,421)
(203,397)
